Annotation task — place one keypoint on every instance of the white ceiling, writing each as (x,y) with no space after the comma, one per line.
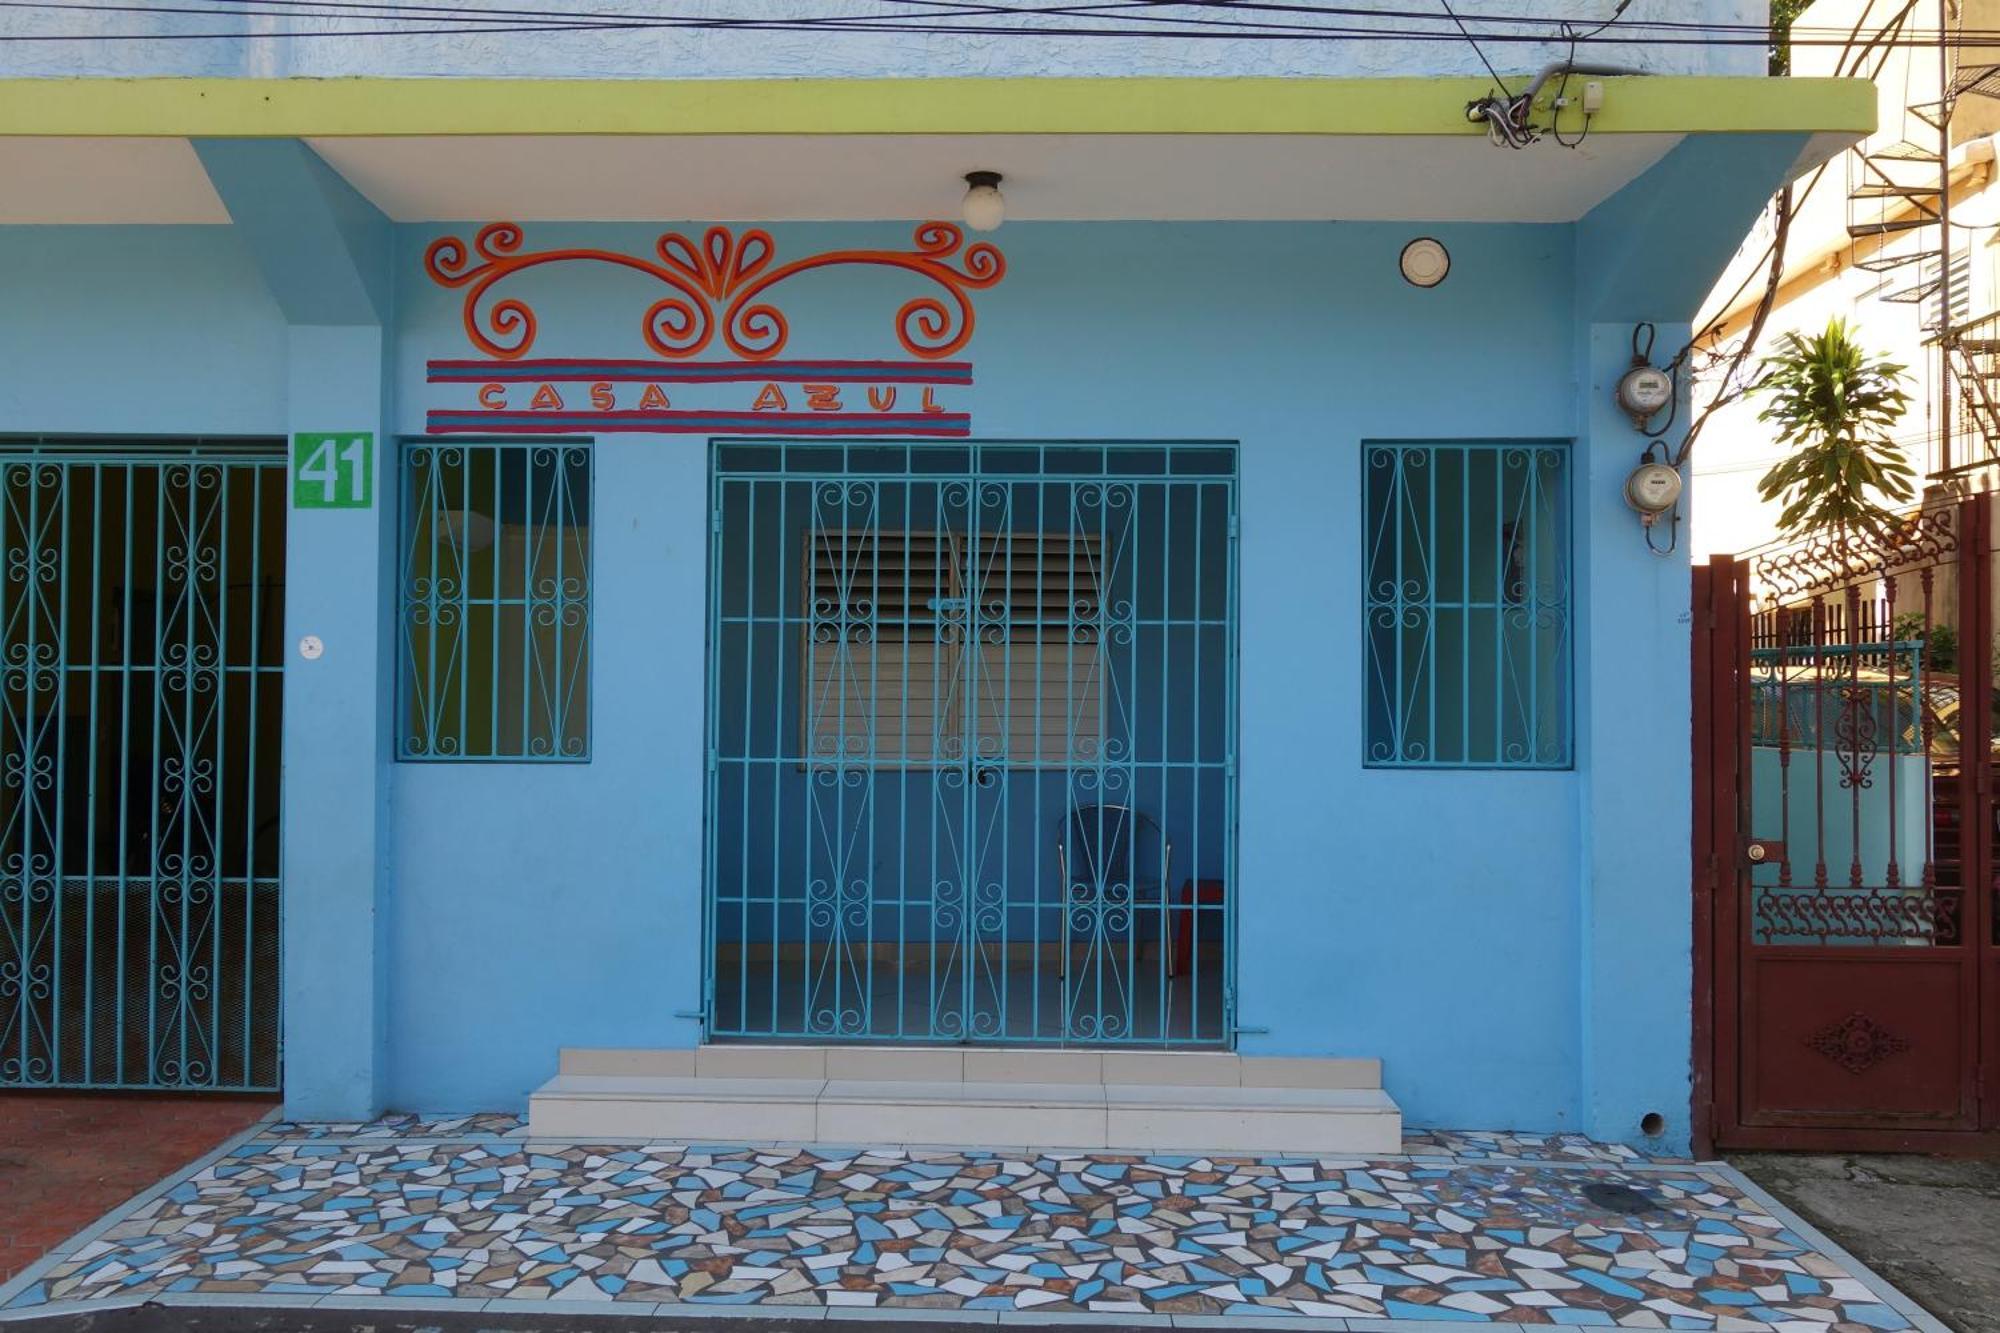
(104,180)
(878,177)
(1088,177)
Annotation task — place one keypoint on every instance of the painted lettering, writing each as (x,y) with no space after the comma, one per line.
(770,399)
(931,404)
(882,400)
(654,399)
(493,396)
(601,399)
(546,398)
(823,397)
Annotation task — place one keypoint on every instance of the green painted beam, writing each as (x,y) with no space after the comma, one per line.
(289,108)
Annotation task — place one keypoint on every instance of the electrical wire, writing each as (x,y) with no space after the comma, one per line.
(1759,31)
(1562,92)
(344,9)
(1616,14)
(1171,24)
(1227,32)
(334,8)
(1476,49)
(547,20)
(1785,204)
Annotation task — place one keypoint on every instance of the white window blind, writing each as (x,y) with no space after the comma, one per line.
(937,648)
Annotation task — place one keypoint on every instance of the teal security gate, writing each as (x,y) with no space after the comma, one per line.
(141,619)
(971,744)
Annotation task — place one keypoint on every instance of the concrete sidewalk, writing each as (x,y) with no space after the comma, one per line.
(1931,1225)
(67,1158)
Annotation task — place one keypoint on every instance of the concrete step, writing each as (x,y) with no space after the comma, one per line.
(987,1064)
(1287,1107)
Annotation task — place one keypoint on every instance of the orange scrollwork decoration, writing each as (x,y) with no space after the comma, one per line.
(719,286)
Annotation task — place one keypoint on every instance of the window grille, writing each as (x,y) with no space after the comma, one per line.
(885,637)
(496,602)
(1467,559)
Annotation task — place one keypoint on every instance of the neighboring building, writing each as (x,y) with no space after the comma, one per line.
(1865,244)
(1845,679)
(691,629)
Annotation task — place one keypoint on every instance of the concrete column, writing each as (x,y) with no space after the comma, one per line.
(340,584)
(324,252)
(1648,254)
(1633,724)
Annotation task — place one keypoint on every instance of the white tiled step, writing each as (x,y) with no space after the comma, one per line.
(972,1064)
(1206,1118)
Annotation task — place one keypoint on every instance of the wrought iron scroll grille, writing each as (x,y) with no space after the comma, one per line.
(1467,562)
(141,675)
(1855,734)
(496,602)
(972,729)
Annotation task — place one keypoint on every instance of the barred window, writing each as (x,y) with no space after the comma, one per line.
(1467,558)
(496,602)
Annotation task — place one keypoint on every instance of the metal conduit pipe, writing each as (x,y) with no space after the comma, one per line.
(1506,118)
(1560,67)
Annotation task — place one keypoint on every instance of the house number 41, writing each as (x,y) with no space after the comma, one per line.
(333,471)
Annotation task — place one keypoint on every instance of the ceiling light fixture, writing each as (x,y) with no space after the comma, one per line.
(985,208)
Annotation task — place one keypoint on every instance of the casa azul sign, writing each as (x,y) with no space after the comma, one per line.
(717,334)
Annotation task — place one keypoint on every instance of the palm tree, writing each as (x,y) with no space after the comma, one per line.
(1833,404)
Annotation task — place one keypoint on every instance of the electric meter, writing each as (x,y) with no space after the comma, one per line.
(1644,392)
(1653,489)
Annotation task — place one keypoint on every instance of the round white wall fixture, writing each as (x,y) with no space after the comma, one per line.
(1425,262)
(310,647)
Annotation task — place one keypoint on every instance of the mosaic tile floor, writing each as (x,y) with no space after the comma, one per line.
(1459,1145)
(1465,1227)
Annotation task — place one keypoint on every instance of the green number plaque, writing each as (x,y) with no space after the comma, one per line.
(333,471)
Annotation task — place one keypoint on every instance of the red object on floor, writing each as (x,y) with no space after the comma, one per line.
(1203,892)
(66,1159)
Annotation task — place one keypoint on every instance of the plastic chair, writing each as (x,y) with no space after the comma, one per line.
(1113,860)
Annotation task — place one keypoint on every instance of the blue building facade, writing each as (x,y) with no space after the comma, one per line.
(1163,622)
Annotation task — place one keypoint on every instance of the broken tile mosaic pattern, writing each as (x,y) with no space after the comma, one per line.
(484,1124)
(390,1211)
(1453,1144)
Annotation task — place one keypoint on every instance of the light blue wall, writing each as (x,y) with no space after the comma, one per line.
(1513,945)
(560,904)
(1427,918)
(137,330)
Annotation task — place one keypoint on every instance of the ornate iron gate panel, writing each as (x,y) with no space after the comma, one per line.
(1846,818)
(141,673)
(971,744)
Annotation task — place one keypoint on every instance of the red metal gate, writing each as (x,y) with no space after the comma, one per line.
(1847,920)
